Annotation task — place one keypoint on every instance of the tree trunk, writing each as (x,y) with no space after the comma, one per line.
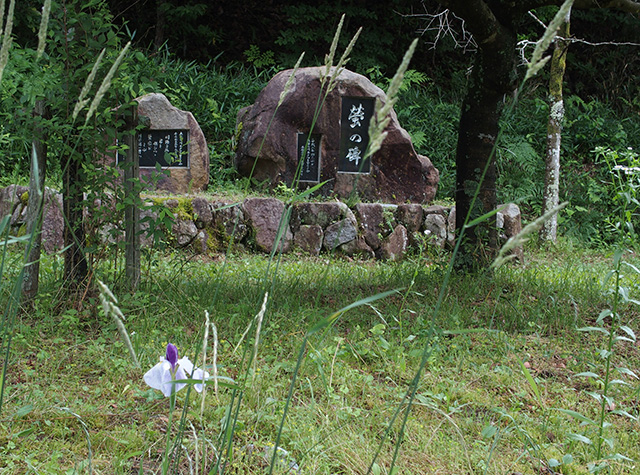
(492,79)
(549,230)
(158,40)
(76,269)
(34,207)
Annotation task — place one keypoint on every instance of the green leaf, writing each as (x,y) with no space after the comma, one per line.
(530,380)
(567,459)
(635,269)
(489,431)
(610,274)
(629,332)
(596,396)
(25,432)
(23,411)
(587,374)
(623,338)
(577,415)
(309,191)
(580,438)
(484,217)
(604,354)
(627,371)
(593,329)
(553,463)
(621,412)
(604,314)
(619,457)
(617,257)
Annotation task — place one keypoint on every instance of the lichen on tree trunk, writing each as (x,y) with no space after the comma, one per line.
(549,230)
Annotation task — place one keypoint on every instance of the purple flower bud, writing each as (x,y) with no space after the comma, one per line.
(172,355)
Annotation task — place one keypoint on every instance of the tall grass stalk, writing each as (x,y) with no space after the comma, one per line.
(256,341)
(12,308)
(537,61)
(111,309)
(6,37)
(214,369)
(82,100)
(205,342)
(106,82)
(328,82)
(381,117)
(44,24)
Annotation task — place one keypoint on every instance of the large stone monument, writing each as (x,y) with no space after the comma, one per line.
(172,139)
(273,140)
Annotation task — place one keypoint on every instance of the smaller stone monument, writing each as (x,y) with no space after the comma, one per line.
(172,139)
(280,142)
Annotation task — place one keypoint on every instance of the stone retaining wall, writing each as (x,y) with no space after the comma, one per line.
(206,226)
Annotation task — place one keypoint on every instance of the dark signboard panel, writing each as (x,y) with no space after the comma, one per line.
(354,134)
(311,162)
(169,148)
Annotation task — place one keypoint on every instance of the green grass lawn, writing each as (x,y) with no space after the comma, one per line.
(499,381)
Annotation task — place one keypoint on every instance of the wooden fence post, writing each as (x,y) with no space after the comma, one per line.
(132,201)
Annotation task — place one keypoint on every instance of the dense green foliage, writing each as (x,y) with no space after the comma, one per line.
(601,99)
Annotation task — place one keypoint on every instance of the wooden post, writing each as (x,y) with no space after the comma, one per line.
(132,199)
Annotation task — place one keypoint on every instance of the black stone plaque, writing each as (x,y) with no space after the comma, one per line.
(311,163)
(169,148)
(354,134)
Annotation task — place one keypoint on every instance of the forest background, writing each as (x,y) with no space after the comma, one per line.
(212,58)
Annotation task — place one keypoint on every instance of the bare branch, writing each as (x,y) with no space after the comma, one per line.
(446,23)
(524,44)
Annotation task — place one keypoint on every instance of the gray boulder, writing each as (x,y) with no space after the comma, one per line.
(264,216)
(394,247)
(340,233)
(309,238)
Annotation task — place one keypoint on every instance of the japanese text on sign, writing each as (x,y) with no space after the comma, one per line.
(354,134)
(311,162)
(168,148)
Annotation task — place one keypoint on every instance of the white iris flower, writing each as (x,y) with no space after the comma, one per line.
(164,375)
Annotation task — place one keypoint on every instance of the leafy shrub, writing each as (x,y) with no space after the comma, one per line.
(432,124)
(521,173)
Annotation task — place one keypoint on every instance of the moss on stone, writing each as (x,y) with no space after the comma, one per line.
(183,211)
